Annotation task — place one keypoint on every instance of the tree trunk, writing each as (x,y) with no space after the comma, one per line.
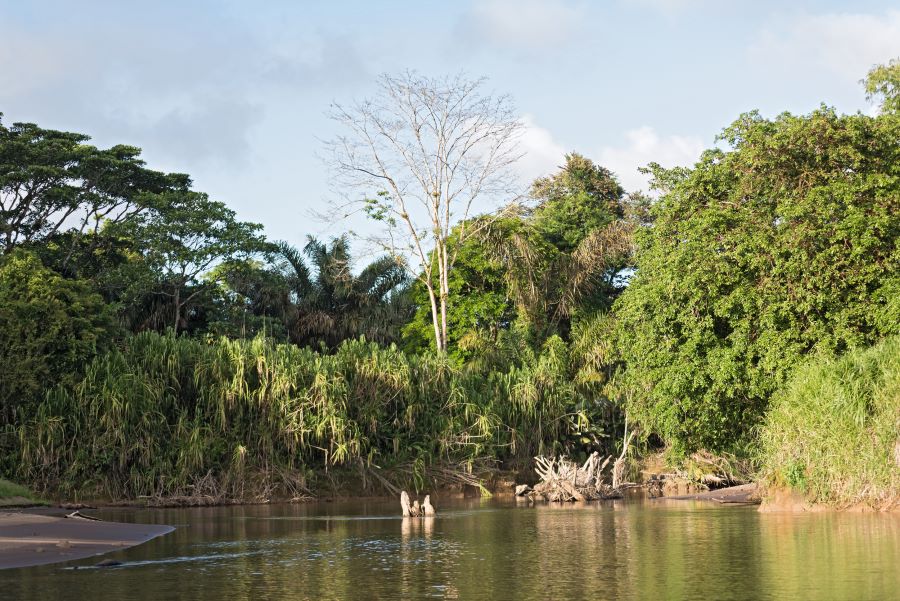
(177,301)
(435,319)
(445,294)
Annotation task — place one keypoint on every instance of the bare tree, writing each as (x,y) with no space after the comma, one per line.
(420,156)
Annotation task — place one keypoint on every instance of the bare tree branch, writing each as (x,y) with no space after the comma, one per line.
(422,155)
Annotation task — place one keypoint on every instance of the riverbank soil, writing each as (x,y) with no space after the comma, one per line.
(790,501)
(745,494)
(30,537)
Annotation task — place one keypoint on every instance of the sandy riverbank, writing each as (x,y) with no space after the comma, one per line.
(36,537)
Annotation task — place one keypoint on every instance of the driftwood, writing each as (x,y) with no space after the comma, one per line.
(415,510)
(564,480)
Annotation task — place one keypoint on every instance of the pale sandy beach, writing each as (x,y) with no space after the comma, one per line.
(35,537)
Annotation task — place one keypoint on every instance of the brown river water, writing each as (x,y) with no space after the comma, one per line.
(486,549)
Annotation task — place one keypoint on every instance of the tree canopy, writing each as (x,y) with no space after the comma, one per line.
(780,246)
(52,182)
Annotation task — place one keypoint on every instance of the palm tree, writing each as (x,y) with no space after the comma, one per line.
(331,303)
(548,285)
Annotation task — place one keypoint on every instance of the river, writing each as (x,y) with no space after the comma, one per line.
(486,549)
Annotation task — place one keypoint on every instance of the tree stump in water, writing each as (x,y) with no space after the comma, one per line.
(415,510)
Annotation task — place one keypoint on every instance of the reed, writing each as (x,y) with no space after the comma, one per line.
(833,433)
(167,416)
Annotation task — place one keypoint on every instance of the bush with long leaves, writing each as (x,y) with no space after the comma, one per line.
(165,412)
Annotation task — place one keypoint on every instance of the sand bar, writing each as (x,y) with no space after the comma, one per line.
(30,538)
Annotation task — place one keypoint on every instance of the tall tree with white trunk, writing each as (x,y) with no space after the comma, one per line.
(419,156)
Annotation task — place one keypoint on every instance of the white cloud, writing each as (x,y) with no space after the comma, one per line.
(522,25)
(644,146)
(843,44)
(667,6)
(542,155)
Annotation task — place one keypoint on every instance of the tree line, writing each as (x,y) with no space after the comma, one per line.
(686,310)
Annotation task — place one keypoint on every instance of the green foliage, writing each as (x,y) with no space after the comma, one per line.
(52,182)
(329,303)
(10,489)
(562,258)
(11,494)
(164,412)
(581,198)
(49,328)
(782,246)
(832,431)
(884,81)
(252,298)
(778,246)
(182,239)
(481,308)
(538,267)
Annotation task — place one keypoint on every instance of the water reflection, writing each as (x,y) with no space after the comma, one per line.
(489,550)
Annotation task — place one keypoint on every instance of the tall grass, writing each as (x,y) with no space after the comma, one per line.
(168,416)
(834,432)
(10,492)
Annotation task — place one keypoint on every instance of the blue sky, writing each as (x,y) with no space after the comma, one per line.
(235,93)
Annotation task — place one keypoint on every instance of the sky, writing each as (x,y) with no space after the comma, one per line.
(236,93)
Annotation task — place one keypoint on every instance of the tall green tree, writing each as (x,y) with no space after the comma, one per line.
(539,265)
(883,82)
(53,182)
(482,309)
(574,202)
(783,245)
(50,327)
(565,253)
(182,240)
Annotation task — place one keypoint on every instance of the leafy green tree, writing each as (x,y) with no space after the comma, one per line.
(581,198)
(49,328)
(538,266)
(53,182)
(565,254)
(253,297)
(780,246)
(884,82)
(182,240)
(482,308)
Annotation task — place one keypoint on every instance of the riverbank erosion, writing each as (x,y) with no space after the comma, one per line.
(37,537)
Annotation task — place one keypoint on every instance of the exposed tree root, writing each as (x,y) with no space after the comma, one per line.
(563,480)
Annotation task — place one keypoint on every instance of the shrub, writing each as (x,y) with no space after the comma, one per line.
(834,431)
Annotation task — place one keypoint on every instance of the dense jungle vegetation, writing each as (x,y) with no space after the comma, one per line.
(152,344)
